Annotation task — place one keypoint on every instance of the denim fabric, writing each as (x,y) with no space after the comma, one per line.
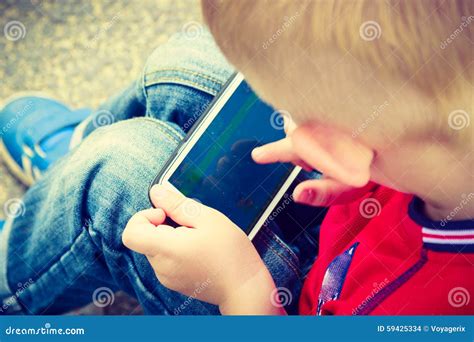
(68,243)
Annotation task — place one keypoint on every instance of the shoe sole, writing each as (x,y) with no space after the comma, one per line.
(10,163)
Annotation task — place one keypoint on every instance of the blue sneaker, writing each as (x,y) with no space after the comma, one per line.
(2,223)
(35,131)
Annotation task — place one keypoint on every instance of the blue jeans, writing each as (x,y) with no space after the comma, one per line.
(68,244)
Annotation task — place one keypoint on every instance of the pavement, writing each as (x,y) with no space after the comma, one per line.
(81,52)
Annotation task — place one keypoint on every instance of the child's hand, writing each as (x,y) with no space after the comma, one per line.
(345,178)
(208,257)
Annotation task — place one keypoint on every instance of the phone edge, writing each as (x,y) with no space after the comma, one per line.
(160,177)
(260,222)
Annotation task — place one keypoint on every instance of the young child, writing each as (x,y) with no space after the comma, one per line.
(399,237)
(380,98)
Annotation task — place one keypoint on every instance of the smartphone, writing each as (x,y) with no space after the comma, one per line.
(213,164)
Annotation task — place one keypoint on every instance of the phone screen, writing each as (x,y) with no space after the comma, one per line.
(219,170)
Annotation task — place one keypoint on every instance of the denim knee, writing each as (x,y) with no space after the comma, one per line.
(197,63)
(111,171)
(181,78)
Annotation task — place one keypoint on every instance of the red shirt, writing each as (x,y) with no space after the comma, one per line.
(381,256)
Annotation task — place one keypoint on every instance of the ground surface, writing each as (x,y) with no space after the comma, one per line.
(80,52)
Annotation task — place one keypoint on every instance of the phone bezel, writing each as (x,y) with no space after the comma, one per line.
(197,131)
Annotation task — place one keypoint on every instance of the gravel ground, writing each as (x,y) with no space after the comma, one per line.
(81,52)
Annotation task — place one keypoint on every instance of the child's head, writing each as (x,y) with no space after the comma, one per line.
(392,77)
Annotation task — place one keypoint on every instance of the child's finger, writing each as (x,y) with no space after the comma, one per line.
(326,191)
(155,216)
(141,236)
(182,210)
(278,151)
(152,216)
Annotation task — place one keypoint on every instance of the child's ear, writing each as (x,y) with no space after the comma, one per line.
(335,153)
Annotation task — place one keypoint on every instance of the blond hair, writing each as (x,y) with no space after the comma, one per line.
(425,42)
